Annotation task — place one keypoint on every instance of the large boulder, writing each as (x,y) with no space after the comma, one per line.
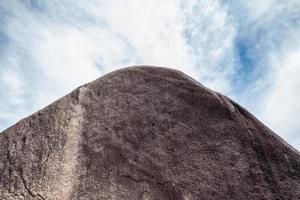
(145,133)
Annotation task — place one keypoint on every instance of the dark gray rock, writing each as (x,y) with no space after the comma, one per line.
(146,133)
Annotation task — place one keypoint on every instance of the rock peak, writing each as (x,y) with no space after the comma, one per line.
(146,133)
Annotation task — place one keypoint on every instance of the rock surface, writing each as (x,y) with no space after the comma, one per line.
(145,133)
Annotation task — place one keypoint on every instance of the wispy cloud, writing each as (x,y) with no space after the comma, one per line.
(246,49)
(210,32)
(281,108)
(268,45)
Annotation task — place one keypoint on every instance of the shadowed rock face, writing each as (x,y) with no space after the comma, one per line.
(145,133)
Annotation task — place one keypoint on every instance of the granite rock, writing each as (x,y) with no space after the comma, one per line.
(145,133)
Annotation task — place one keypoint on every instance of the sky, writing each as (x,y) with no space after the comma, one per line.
(247,50)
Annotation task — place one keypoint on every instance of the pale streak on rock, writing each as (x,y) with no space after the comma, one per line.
(68,177)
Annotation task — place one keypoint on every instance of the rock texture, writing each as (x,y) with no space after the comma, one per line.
(145,133)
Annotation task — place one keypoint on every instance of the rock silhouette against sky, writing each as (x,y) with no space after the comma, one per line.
(146,133)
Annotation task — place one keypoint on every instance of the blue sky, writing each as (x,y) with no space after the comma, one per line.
(248,50)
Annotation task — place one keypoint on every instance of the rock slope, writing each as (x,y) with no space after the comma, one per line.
(145,133)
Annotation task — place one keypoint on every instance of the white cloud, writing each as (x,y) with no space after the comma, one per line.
(12,93)
(153,29)
(210,34)
(281,103)
(65,42)
(269,31)
(12,86)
